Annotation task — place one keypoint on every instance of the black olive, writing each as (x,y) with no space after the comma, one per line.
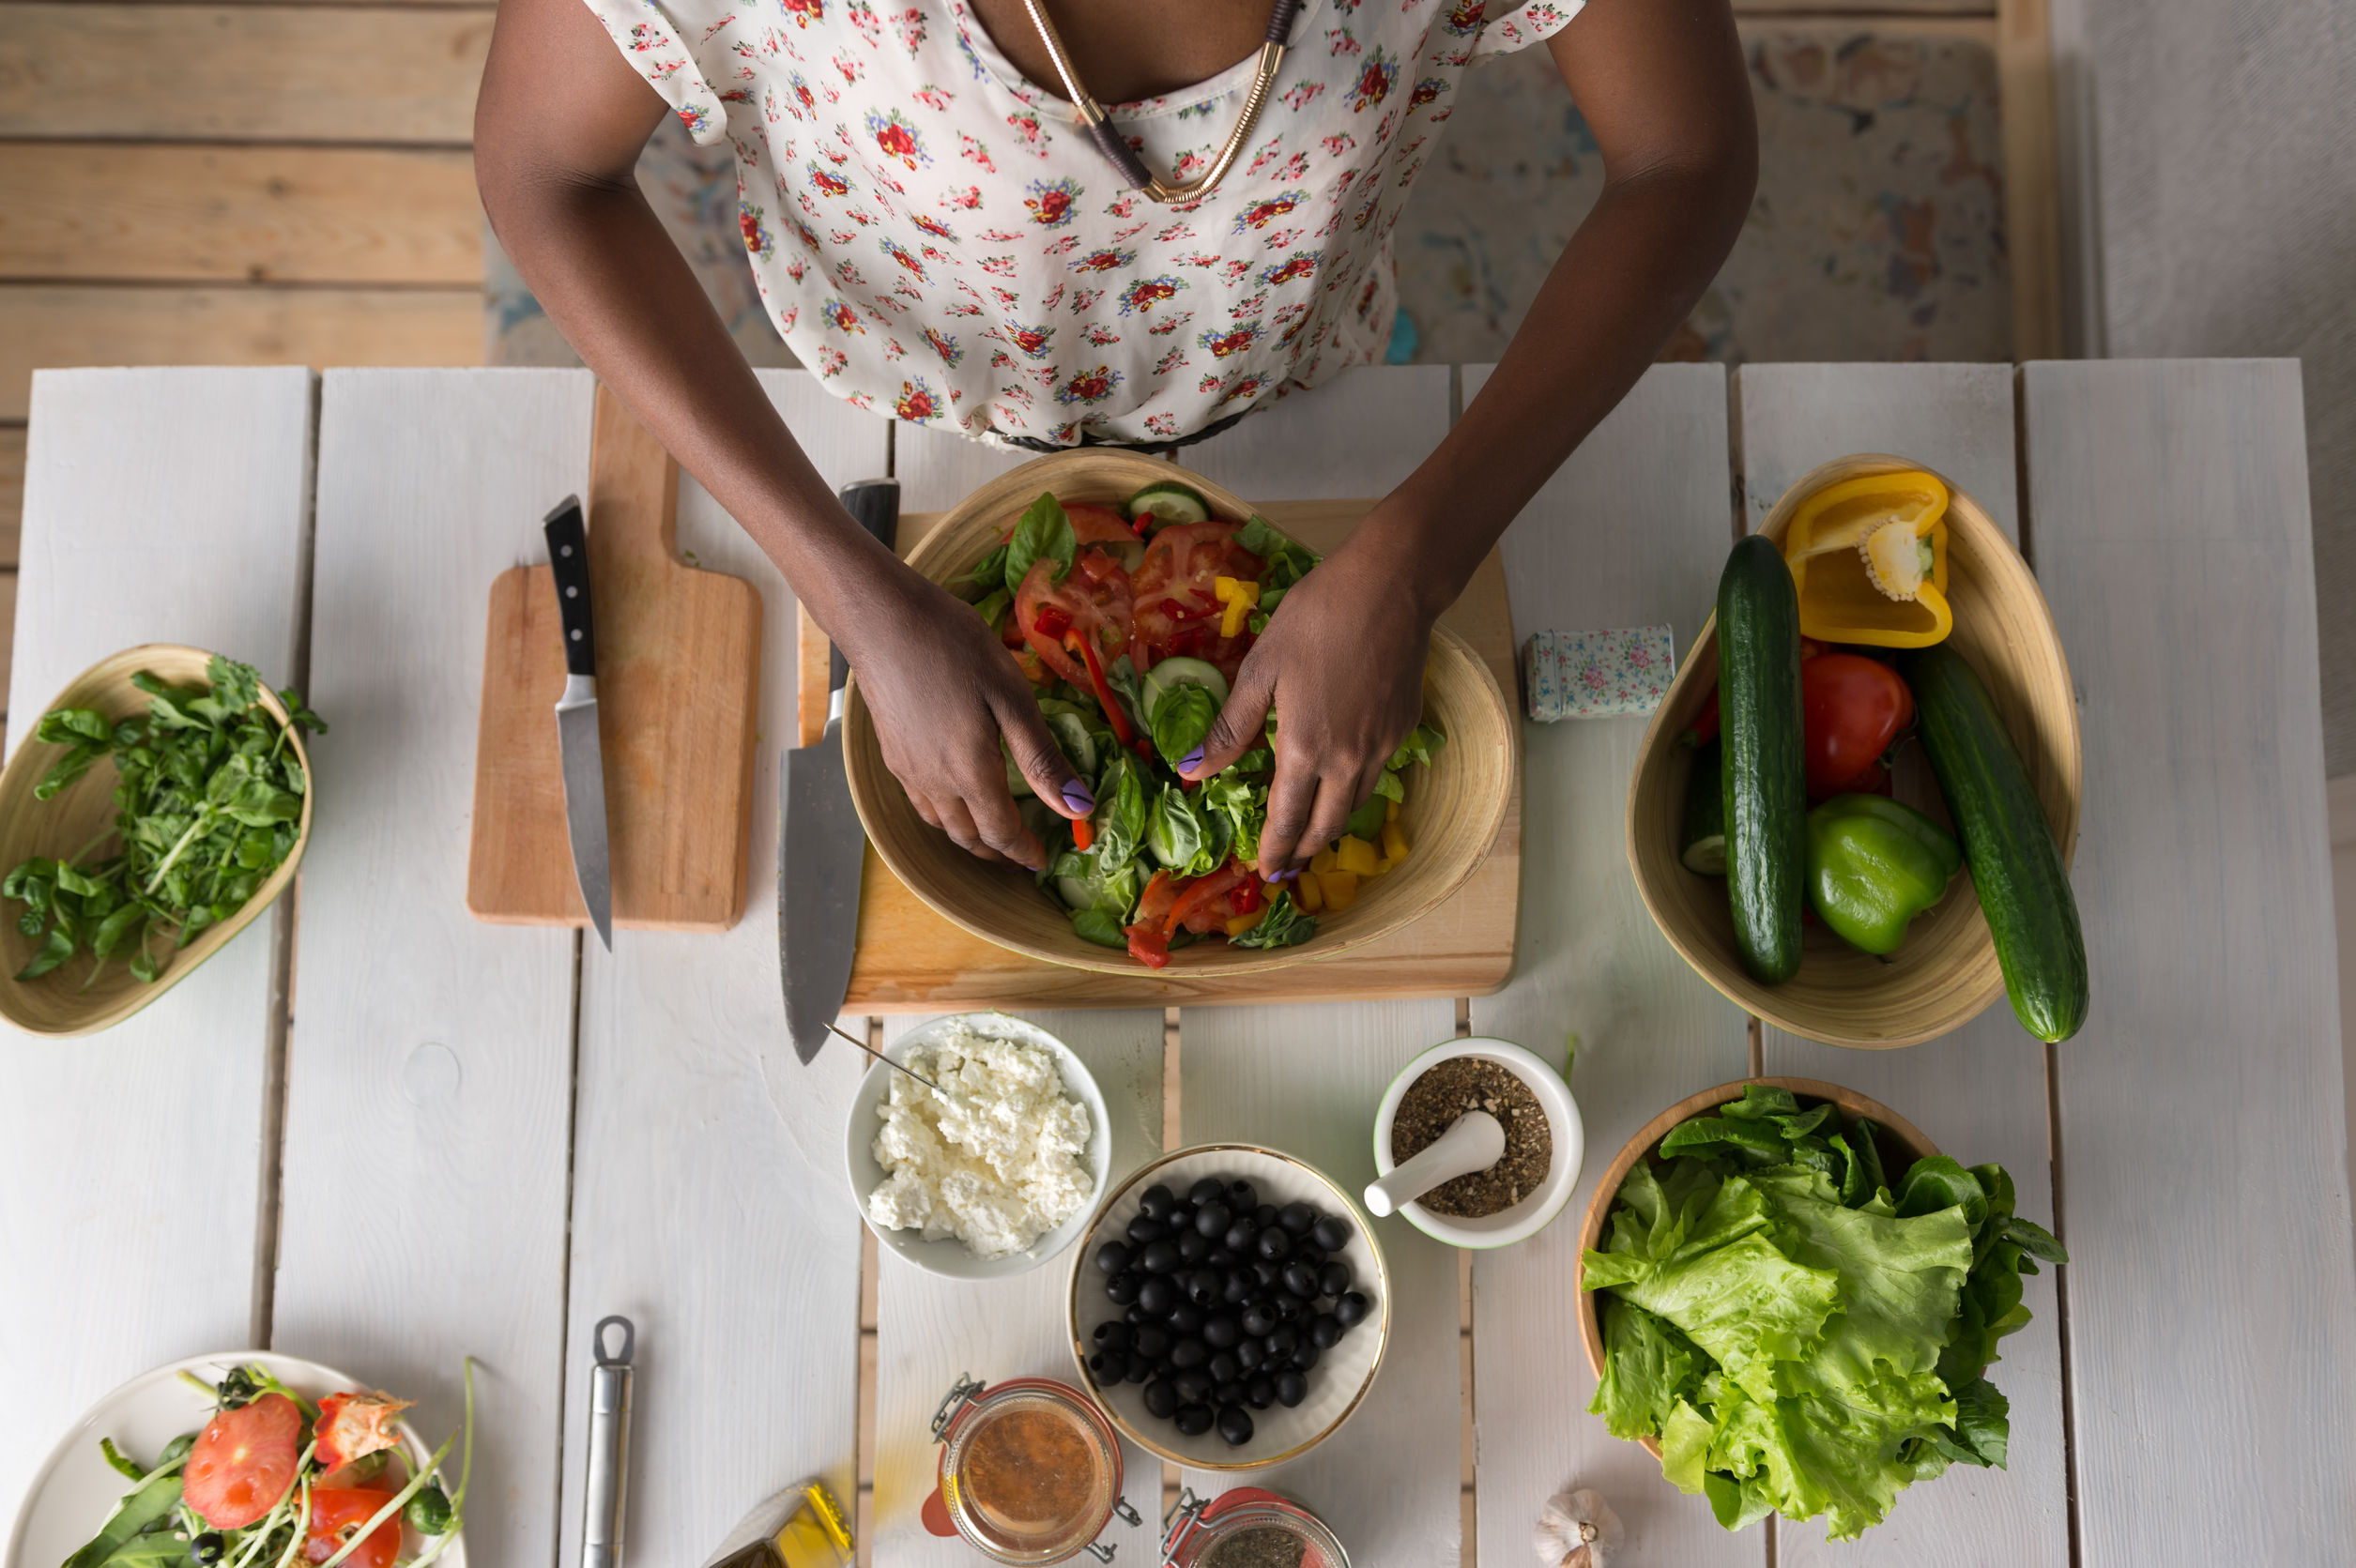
(1193,1385)
(1145,1229)
(1122,1288)
(1292,1388)
(1188,1352)
(1306,1357)
(1194,1420)
(1155,1200)
(1151,1340)
(1300,1279)
(1161,1397)
(1331,1233)
(1135,1313)
(1159,1293)
(1112,1335)
(1265,1216)
(1310,1256)
(1283,1341)
(1267,1270)
(1298,1219)
(1110,1367)
(1233,1392)
(1352,1309)
(1275,1243)
(1241,1287)
(1140,1369)
(1159,1257)
(1241,1195)
(1204,1286)
(1185,1319)
(206,1547)
(1180,1218)
(1224,1367)
(1290,1308)
(1250,1354)
(1234,1424)
(1324,1331)
(1221,1330)
(1112,1256)
(1261,1392)
(1258,1320)
(1241,1235)
(1205,1191)
(1212,1219)
(1334,1278)
(1194,1247)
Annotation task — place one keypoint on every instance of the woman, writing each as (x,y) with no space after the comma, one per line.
(940,239)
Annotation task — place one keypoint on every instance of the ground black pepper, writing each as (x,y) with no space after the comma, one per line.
(1461,1084)
(1264,1546)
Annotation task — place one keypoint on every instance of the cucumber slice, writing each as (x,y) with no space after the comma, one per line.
(1702,842)
(1168,503)
(1182,672)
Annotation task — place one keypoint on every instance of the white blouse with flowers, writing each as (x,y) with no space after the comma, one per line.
(938,239)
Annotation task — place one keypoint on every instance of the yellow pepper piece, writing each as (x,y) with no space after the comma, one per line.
(1307,893)
(1390,811)
(1239,596)
(1394,843)
(1825,548)
(1238,925)
(1354,853)
(1322,860)
(1340,888)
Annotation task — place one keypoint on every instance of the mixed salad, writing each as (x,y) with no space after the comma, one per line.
(274,1479)
(1130,623)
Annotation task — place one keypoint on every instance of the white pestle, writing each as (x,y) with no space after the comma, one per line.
(1475,1141)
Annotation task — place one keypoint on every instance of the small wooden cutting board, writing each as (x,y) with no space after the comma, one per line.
(678,689)
(912,960)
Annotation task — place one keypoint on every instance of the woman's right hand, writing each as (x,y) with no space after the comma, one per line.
(943,691)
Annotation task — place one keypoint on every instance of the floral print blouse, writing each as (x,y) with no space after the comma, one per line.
(938,238)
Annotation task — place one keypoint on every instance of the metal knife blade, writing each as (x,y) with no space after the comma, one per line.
(820,845)
(577,742)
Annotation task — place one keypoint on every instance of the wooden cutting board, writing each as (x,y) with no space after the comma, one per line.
(677,698)
(912,960)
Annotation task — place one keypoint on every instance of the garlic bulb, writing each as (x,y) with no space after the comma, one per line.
(1576,1529)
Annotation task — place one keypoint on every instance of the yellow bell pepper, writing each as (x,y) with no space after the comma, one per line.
(1307,894)
(1238,925)
(1354,855)
(1340,888)
(1394,843)
(1855,550)
(1240,597)
(1390,811)
(1322,860)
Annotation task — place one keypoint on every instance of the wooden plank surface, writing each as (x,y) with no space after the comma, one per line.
(104,1210)
(240,72)
(443,1046)
(930,1330)
(162,213)
(1980,1092)
(11,492)
(48,325)
(734,1248)
(2213,1301)
(1632,530)
(1360,433)
(936,468)
(1306,1080)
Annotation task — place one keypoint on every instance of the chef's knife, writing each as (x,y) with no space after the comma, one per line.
(819,842)
(577,717)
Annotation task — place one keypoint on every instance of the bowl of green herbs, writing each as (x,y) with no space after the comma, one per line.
(1792,1299)
(161,804)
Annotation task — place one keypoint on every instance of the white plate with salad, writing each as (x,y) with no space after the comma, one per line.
(246,1459)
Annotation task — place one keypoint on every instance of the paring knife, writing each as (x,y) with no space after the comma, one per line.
(577,717)
(819,842)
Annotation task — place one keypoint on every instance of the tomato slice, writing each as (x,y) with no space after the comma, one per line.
(244,1462)
(1203,904)
(1092,601)
(1851,708)
(337,1515)
(1177,603)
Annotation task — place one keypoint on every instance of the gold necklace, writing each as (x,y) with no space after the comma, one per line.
(1116,147)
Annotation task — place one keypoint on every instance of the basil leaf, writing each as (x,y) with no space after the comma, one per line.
(1094,925)
(993,608)
(1121,809)
(1045,533)
(1244,806)
(1420,743)
(1283,926)
(990,572)
(1288,561)
(1180,721)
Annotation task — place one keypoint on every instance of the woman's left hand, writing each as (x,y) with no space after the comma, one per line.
(1343,663)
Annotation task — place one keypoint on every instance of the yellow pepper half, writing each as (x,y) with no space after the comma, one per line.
(1827,548)
(1240,597)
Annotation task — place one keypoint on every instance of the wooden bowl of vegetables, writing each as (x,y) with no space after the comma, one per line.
(1996,791)
(1448,812)
(83,947)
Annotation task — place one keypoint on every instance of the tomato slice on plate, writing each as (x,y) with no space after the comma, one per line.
(338,1513)
(1092,600)
(244,1462)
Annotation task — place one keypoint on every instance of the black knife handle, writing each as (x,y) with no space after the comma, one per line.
(567,557)
(874,506)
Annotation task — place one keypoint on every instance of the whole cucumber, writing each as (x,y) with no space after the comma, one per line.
(2015,864)
(1765,776)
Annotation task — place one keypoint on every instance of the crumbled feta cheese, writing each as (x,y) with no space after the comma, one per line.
(996,1159)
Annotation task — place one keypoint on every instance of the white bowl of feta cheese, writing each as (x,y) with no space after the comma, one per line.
(996,1174)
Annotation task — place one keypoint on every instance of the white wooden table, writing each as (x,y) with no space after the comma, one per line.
(379,1134)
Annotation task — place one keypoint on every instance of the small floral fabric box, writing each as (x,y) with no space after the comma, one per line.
(1597,675)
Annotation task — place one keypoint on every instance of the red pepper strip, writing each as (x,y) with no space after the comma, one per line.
(1051,621)
(1144,749)
(1247,896)
(1083,834)
(1086,647)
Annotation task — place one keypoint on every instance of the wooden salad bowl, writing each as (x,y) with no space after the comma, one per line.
(1900,1145)
(59,1004)
(1945,974)
(1452,813)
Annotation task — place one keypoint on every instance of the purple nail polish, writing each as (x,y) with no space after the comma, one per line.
(1293,875)
(1191,761)
(1077,796)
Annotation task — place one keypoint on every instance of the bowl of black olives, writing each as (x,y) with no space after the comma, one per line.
(1229,1307)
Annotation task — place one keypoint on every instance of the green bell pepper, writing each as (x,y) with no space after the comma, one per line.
(1873,865)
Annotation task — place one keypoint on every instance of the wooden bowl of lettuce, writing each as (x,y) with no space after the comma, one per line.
(1791,1298)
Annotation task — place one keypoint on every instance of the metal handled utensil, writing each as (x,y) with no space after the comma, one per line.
(576,716)
(608,1447)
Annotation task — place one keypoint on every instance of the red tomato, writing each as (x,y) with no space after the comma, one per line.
(1202,904)
(1094,596)
(1095,524)
(244,1462)
(337,1513)
(1177,606)
(1851,708)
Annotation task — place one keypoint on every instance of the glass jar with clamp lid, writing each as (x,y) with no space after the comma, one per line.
(1247,1528)
(1030,1471)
